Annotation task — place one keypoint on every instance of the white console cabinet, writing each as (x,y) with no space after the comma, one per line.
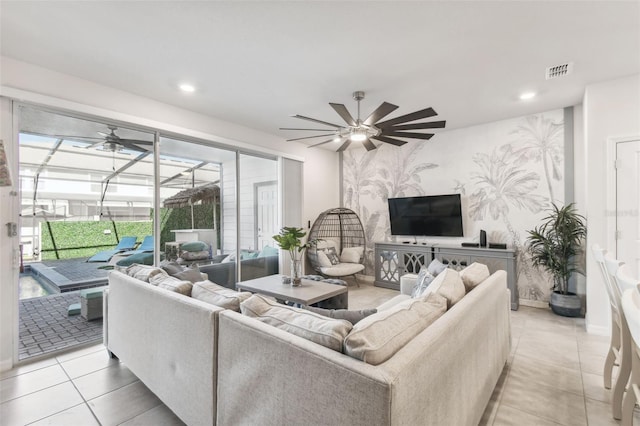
(392,260)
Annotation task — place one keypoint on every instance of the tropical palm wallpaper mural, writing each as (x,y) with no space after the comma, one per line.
(508,173)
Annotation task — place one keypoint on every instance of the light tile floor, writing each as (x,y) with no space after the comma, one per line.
(553,377)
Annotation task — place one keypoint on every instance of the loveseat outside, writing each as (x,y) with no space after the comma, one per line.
(444,376)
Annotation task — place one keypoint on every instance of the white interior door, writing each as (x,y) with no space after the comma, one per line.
(628,204)
(266,214)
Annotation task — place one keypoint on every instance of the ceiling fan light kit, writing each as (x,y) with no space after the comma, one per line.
(391,131)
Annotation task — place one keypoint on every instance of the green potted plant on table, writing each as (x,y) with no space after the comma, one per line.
(554,246)
(290,239)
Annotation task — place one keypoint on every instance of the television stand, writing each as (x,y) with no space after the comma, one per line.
(393,260)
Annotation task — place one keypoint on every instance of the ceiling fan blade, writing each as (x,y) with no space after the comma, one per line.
(294,128)
(423,113)
(425,136)
(94,145)
(418,126)
(302,117)
(131,146)
(321,143)
(135,141)
(369,145)
(310,137)
(344,113)
(396,142)
(75,137)
(104,134)
(344,145)
(379,113)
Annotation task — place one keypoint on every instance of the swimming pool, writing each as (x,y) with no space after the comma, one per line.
(30,285)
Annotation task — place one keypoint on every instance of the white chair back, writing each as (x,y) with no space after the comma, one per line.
(612,265)
(599,255)
(631,307)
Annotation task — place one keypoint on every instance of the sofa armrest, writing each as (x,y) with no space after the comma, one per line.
(169,341)
(407,282)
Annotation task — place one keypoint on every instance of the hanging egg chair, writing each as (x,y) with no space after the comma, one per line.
(340,253)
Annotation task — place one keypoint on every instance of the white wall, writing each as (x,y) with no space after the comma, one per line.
(611,110)
(38,85)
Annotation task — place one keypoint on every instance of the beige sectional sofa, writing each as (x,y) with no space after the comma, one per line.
(215,366)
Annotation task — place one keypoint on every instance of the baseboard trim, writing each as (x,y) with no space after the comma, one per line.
(534,303)
(6,364)
(598,329)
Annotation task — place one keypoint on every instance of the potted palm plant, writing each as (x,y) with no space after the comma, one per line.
(554,246)
(290,239)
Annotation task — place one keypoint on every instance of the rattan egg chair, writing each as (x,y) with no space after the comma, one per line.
(339,228)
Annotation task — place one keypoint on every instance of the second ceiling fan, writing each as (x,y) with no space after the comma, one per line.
(391,131)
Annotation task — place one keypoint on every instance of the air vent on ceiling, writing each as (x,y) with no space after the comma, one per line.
(559,70)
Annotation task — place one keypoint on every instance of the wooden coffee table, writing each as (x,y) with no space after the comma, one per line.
(308,293)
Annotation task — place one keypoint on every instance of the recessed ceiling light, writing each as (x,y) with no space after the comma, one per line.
(527,95)
(186,87)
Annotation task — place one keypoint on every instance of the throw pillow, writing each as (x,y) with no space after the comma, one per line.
(332,254)
(139,258)
(422,282)
(378,337)
(189,274)
(351,254)
(195,246)
(172,284)
(308,325)
(435,267)
(473,275)
(215,294)
(449,285)
(194,255)
(143,272)
(343,314)
(171,267)
(323,260)
(268,251)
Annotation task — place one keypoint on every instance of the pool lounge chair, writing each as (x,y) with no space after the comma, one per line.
(146,245)
(126,243)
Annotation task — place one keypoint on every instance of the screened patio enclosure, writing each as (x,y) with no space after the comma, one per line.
(85,184)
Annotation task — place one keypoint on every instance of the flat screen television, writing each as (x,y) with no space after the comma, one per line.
(434,216)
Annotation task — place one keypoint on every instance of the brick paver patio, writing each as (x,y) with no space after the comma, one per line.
(44,324)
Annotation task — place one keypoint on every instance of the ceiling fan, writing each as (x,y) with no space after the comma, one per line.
(112,142)
(391,131)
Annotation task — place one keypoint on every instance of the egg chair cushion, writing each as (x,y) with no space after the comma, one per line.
(342,269)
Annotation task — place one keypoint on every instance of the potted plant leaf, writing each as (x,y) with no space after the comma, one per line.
(290,239)
(555,246)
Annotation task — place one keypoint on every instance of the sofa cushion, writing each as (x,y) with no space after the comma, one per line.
(378,337)
(436,267)
(351,254)
(171,267)
(311,326)
(342,269)
(332,255)
(215,294)
(474,274)
(172,284)
(343,314)
(189,274)
(194,246)
(449,285)
(393,302)
(323,259)
(194,255)
(422,282)
(143,272)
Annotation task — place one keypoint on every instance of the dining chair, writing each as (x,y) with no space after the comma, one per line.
(612,265)
(613,355)
(630,304)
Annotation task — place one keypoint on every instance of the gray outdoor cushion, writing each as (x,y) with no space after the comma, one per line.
(344,314)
